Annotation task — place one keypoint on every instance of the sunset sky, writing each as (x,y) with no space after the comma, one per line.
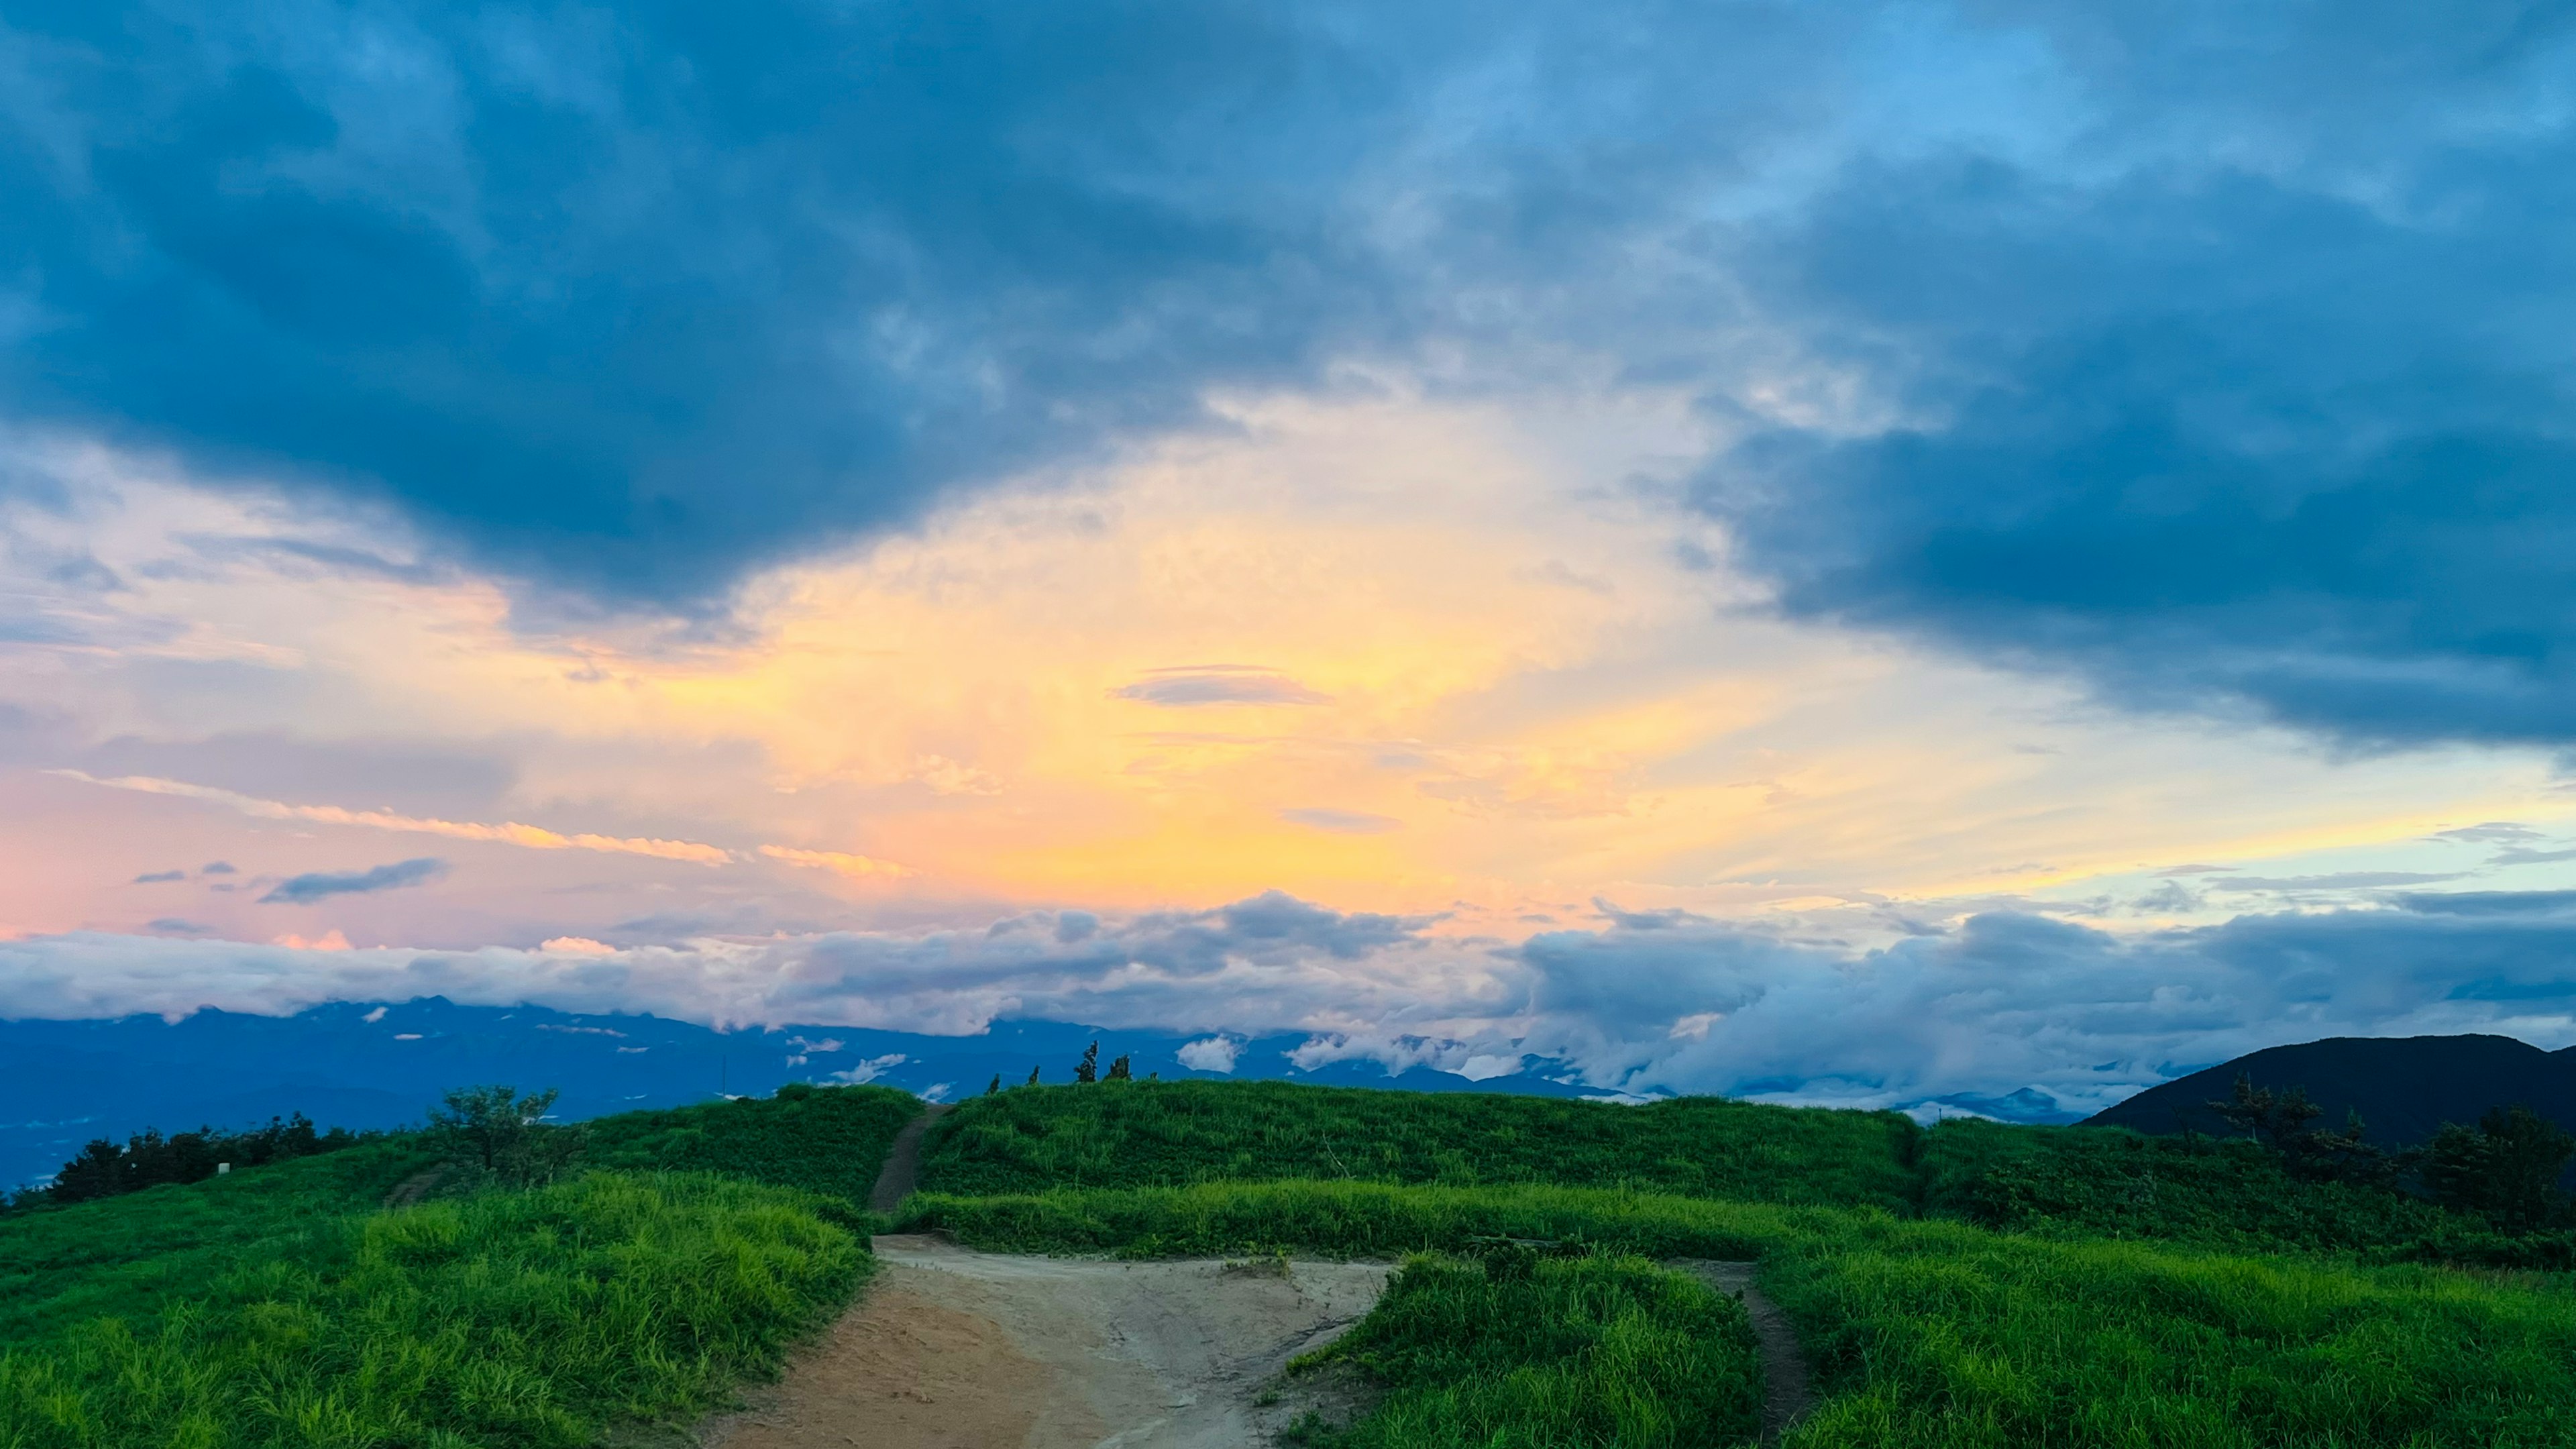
(1838,553)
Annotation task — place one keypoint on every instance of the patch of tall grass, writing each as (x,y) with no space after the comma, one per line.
(128,1256)
(828,1140)
(2112,1182)
(1167,1134)
(523,1318)
(1511,1351)
(1943,1335)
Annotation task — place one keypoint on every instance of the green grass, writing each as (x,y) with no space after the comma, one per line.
(1505,1352)
(129,1256)
(2110,1182)
(1943,1335)
(1166,1134)
(521,1318)
(1973,1287)
(828,1140)
(281,1305)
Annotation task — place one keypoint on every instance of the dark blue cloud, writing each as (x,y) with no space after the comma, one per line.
(631,299)
(2217,353)
(319,885)
(2253,390)
(159,876)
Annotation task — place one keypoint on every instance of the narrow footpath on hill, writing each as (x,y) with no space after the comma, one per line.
(949,1348)
(1786,1394)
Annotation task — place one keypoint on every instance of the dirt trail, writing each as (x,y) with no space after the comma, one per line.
(902,1168)
(1786,1395)
(955,1349)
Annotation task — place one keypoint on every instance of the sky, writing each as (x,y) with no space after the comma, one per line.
(1841,553)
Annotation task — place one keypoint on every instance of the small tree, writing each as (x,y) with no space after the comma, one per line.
(1088,1069)
(2505,1169)
(504,1134)
(994,1090)
(1121,1071)
(2277,1120)
(1033,1076)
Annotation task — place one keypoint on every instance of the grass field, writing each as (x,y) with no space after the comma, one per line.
(1943,1335)
(1513,1350)
(130,1256)
(1970,1287)
(827,1140)
(522,1318)
(1168,1134)
(284,1306)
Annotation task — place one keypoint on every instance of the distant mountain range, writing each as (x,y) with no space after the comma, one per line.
(381,1064)
(2405,1087)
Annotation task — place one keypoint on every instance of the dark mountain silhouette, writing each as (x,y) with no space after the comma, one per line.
(2405,1087)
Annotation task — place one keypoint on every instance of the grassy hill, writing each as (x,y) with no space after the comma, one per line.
(287,1305)
(1970,1285)
(1165,1134)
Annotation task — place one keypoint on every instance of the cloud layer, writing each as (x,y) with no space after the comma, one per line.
(1653,1004)
(2218,355)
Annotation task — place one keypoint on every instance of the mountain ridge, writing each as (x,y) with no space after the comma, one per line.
(2405,1088)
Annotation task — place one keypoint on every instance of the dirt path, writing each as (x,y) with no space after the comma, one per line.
(1786,1395)
(903,1164)
(955,1349)
(415,1187)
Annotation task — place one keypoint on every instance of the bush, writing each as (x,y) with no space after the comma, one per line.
(148,1159)
(504,1137)
(2505,1169)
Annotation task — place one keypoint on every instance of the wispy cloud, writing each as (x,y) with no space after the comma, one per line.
(530,837)
(1342,822)
(1198,684)
(2341,880)
(159,877)
(322,884)
(856,867)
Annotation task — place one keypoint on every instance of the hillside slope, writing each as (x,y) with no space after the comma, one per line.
(2404,1087)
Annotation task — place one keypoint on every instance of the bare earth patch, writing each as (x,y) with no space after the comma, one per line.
(955,1349)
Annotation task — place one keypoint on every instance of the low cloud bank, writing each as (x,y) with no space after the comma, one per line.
(1998,1003)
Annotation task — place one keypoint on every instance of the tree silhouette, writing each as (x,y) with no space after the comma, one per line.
(1088,1069)
(2506,1168)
